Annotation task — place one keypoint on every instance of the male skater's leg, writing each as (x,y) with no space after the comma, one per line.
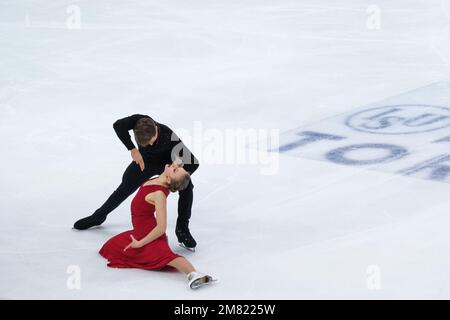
(185,201)
(132,178)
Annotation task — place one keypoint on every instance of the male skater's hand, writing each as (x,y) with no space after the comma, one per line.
(134,244)
(178,162)
(137,157)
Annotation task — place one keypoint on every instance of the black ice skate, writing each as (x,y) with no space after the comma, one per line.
(89,222)
(185,238)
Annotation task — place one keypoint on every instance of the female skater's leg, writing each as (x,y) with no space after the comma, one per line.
(182,264)
(195,279)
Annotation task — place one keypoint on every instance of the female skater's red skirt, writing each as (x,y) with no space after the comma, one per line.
(153,256)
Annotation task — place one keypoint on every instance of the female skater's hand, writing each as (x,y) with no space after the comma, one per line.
(137,157)
(134,244)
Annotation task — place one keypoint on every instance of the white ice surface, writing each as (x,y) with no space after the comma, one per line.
(311,231)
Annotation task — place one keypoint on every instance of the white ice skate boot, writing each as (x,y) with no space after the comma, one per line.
(198,279)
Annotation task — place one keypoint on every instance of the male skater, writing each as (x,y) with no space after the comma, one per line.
(158,146)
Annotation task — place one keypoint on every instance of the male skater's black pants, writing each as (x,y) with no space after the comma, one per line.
(133,177)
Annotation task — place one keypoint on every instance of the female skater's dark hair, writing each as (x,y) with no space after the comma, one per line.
(181,184)
(144,131)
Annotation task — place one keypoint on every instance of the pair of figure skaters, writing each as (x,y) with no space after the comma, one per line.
(161,164)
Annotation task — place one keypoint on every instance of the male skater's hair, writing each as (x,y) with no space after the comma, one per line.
(180,185)
(144,131)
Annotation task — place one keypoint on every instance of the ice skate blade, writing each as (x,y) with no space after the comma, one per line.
(187,248)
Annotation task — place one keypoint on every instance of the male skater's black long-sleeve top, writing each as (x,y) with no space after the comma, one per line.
(161,150)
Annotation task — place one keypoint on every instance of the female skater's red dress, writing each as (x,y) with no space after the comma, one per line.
(153,256)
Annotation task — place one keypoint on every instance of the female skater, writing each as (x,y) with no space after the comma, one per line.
(146,246)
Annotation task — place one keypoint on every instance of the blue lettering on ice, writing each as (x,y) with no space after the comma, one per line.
(412,122)
(383,120)
(440,168)
(338,155)
(415,123)
(308,137)
(446,139)
(398,119)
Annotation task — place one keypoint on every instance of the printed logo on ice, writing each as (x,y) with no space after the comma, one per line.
(407,134)
(400,119)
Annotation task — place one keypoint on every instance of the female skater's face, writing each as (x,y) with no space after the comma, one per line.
(175,171)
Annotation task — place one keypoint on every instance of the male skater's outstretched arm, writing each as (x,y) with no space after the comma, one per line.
(156,147)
